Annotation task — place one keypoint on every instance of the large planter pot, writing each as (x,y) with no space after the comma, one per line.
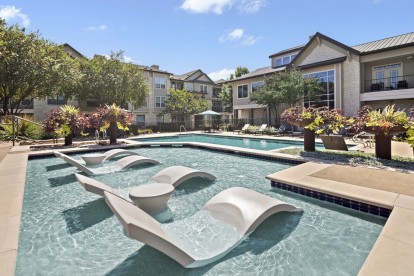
(302,123)
(112,132)
(69,139)
(383,140)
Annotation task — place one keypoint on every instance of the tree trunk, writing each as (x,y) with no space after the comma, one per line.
(383,146)
(69,139)
(309,139)
(112,132)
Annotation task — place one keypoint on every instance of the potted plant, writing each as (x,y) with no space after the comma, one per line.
(385,124)
(66,121)
(111,117)
(308,118)
(410,129)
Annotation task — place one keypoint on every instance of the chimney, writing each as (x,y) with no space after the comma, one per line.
(156,67)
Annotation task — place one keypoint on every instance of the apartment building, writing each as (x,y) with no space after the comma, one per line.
(153,110)
(377,73)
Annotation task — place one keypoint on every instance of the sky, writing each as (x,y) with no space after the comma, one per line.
(215,36)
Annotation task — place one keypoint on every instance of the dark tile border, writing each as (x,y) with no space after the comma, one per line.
(356,205)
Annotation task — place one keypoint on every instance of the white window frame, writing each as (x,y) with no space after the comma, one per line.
(388,70)
(139,121)
(290,57)
(242,91)
(159,118)
(190,86)
(161,102)
(160,83)
(203,88)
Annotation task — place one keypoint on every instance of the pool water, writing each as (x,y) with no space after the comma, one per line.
(67,231)
(242,142)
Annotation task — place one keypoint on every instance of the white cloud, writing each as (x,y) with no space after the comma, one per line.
(219,6)
(251,40)
(221,74)
(376,1)
(232,35)
(11,12)
(128,59)
(206,6)
(252,6)
(102,27)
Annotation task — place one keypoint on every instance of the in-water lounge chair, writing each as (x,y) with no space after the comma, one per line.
(116,152)
(236,212)
(121,164)
(174,175)
(243,130)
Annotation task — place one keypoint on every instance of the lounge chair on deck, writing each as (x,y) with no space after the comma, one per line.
(121,164)
(261,130)
(236,212)
(174,175)
(116,152)
(243,130)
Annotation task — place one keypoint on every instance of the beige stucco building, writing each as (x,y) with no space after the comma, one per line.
(376,73)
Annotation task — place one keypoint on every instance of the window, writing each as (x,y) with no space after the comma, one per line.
(242,91)
(203,89)
(387,75)
(190,86)
(160,83)
(160,118)
(327,96)
(140,120)
(58,100)
(256,85)
(160,102)
(284,60)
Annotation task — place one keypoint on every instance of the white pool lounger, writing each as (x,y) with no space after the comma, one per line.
(234,213)
(116,152)
(175,175)
(121,164)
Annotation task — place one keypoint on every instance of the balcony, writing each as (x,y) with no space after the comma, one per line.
(401,87)
(400,82)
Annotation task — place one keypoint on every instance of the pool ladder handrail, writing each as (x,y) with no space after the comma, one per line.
(183,127)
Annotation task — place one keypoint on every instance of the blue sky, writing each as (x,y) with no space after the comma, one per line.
(212,35)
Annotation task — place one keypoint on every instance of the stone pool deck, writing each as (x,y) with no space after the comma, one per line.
(392,253)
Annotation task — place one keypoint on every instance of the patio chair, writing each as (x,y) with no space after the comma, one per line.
(174,175)
(236,212)
(243,130)
(334,142)
(121,164)
(261,130)
(280,131)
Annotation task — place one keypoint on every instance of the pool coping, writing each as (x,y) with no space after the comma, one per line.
(395,234)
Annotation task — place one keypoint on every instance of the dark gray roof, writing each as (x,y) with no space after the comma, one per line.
(149,68)
(259,72)
(285,51)
(386,43)
(184,76)
(220,81)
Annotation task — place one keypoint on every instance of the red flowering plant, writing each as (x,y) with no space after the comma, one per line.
(111,117)
(331,121)
(311,117)
(65,121)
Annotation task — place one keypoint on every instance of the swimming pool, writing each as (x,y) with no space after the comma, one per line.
(67,231)
(242,142)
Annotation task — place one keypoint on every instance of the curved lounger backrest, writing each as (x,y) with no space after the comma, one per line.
(245,208)
(130,161)
(246,126)
(94,186)
(76,164)
(175,175)
(142,227)
(115,152)
(263,127)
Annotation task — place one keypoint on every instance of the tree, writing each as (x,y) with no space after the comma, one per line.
(288,87)
(183,102)
(240,71)
(31,66)
(111,81)
(226,94)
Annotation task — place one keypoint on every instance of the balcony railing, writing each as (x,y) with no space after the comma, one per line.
(392,83)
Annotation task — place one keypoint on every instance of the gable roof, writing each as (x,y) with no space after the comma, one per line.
(149,68)
(185,76)
(384,44)
(73,49)
(259,72)
(285,51)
